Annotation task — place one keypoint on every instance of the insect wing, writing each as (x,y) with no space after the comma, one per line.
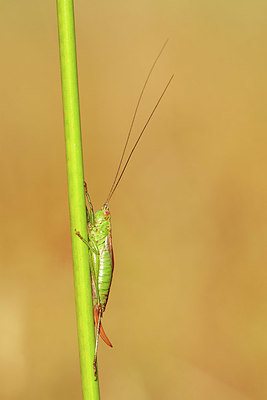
(110,247)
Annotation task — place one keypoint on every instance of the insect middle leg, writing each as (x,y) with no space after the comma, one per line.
(91,245)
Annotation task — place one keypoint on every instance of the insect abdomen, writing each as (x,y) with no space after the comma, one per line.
(105,271)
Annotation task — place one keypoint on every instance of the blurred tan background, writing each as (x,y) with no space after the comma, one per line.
(188,305)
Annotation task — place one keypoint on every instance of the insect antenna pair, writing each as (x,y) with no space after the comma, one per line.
(117,176)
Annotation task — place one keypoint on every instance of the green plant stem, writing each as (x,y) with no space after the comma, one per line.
(82,282)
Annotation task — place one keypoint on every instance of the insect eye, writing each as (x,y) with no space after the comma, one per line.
(106,212)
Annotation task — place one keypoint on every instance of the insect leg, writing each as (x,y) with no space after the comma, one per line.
(94,264)
(96,341)
(91,212)
(91,245)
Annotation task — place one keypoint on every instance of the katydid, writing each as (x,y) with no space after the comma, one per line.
(99,241)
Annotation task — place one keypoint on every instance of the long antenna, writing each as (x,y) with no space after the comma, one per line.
(139,137)
(133,119)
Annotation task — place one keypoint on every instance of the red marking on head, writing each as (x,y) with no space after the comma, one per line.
(106,212)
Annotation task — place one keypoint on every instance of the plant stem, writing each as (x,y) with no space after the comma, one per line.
(73,144)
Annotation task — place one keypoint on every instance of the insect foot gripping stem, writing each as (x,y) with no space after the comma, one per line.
(95,369)
(78,234)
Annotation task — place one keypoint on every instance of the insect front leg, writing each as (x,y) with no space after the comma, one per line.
(90,214)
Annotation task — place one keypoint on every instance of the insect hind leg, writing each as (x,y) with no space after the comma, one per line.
(96,341)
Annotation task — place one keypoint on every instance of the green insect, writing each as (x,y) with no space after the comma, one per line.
(99,232)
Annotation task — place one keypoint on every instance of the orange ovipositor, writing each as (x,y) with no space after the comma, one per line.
(101,329)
